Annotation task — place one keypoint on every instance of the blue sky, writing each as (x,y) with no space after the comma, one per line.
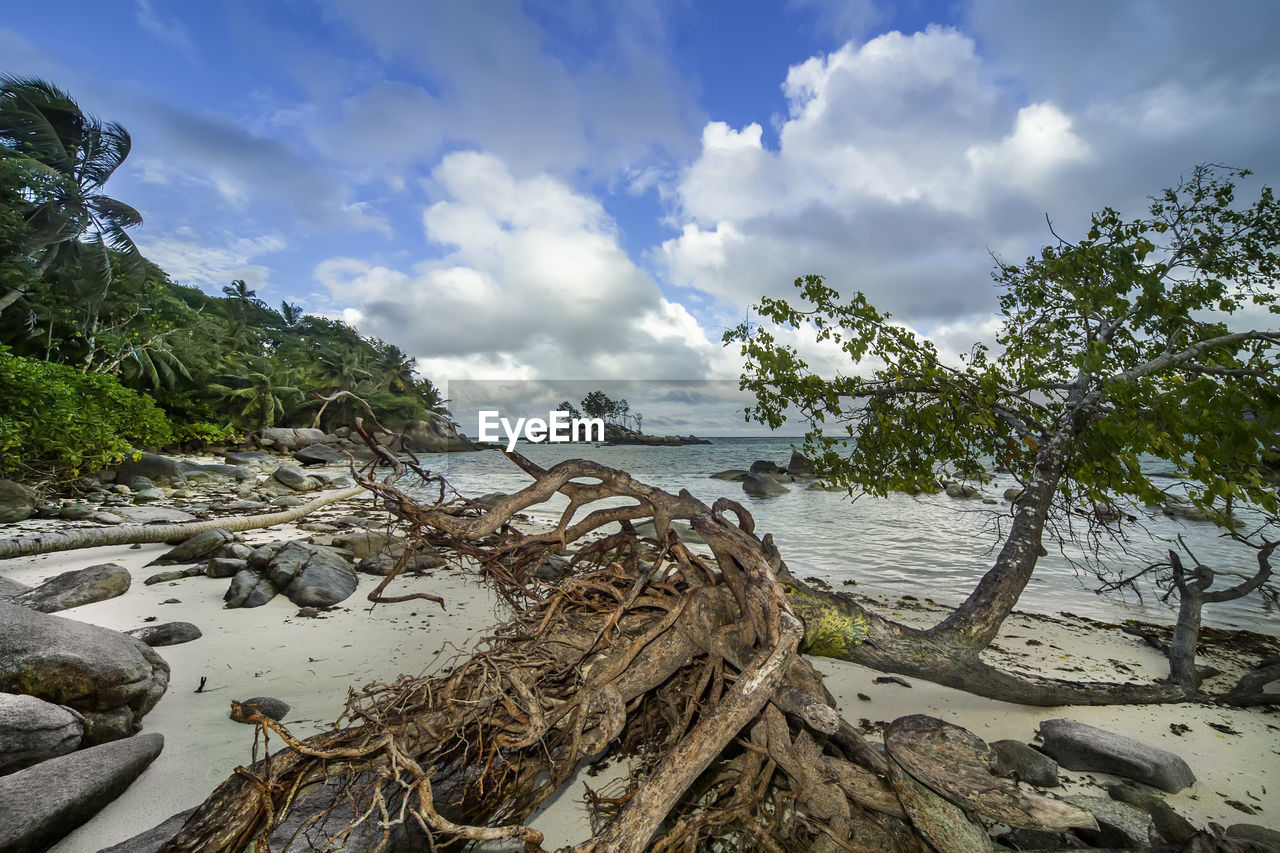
(571,189)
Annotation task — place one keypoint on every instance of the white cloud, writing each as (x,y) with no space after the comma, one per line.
(189,258)
(532,282)
(904,157)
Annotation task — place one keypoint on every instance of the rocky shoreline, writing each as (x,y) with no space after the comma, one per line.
(267,617)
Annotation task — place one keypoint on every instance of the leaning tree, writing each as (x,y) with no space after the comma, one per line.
(1152,337)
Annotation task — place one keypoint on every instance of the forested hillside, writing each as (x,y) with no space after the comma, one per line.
(101,350)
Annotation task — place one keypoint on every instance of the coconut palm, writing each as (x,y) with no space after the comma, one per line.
(72,155)
(262,391)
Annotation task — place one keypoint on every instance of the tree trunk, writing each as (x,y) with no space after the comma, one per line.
(131,534)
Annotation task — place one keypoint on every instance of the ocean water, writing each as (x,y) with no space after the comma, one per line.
(929,546)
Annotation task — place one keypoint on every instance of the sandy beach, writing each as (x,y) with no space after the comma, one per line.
(311,662)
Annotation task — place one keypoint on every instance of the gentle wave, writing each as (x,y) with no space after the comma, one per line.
(929,546)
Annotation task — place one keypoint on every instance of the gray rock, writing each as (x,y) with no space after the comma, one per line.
(763,486)
(286,438)
(320,454)
(105,517)
(820,486)
(10,587)
(17,502)
(225,567)
(1261,835)
(138,482)
(764,466)
(266,706)
(248,589)
(295,479)
(1012,494)
(32,730)
(1120,825)
(385,563)
(196,548)
(213,472)
(962,491)
(152,514)
(72,589)
(146,496)
(77,512)
(362,543)
(246,506)
(1077,746)
(160,470)
(1171,826)
(234,551)
(154,838)
(112,679)
(311,575)
(43,804)
(733,475)
(251,458)
(436,434)
(166,633)
(492,498)
(175,575)
(47,510)
(800,464)
(287,501)
(1032,766)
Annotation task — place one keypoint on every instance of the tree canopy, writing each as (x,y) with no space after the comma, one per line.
(1147,339)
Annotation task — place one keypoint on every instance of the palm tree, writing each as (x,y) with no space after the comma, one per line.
(262,392)
(290,313)
(73,154)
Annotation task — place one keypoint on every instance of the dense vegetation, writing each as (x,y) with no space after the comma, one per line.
(75,292)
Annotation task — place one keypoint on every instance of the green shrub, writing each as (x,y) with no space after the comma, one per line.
(57,423)
(203,433)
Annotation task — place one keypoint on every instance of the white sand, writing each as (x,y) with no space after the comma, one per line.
(310,663)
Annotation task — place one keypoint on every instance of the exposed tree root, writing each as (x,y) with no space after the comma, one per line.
(687,667)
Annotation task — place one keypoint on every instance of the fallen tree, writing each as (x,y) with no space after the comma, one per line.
(688,665)
(642,648)
(135,534)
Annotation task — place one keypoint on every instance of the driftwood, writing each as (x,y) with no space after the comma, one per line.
(687,666)
(134,534)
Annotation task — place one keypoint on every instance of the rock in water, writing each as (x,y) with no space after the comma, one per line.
(72,589)
(166,634)
(733,475)
(112,679)
(198,546)
(32,730)
(43,804)
(762,486)
(1077,746)
(800,464)
(17,502)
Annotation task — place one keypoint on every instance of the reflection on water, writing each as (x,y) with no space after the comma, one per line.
(930,546)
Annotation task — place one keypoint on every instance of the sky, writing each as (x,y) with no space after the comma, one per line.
(568,189)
